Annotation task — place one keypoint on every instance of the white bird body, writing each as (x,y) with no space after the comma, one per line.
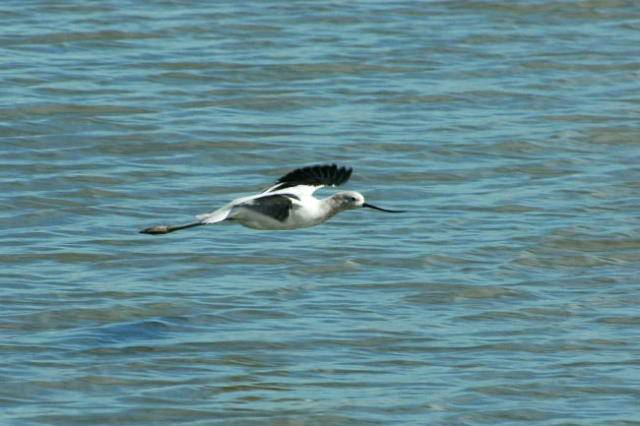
(305,211)
(289,204)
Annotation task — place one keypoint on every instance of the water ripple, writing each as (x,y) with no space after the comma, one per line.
(506,294)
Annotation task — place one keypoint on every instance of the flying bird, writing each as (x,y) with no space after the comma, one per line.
(288,204)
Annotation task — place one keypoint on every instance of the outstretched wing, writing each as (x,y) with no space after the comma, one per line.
(313,176)
(277,206)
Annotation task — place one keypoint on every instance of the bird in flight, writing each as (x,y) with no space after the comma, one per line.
(288,204)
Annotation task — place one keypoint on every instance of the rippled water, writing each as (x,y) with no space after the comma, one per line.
(507,295)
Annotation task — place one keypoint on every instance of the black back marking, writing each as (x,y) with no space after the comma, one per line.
(276,206)
(327,175)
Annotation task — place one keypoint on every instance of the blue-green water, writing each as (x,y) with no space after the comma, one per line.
(507,295)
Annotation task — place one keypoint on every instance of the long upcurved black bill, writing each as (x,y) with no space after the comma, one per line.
(370,206)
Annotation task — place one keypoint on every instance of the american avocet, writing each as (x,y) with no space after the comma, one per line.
(288,204)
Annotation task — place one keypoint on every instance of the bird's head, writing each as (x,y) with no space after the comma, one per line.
(349,200)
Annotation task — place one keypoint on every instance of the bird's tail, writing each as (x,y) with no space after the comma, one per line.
(216,216)
(165,229)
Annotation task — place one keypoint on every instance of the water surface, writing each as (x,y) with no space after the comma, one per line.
(507,295)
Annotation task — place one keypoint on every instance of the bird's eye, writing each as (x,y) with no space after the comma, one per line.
(352,198)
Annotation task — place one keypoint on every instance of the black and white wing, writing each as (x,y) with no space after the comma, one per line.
(312,177)
(280,199)
(277,206)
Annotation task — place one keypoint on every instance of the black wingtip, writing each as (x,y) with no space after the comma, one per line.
(326,174)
